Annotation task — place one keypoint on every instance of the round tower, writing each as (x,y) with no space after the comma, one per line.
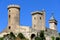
(13,16)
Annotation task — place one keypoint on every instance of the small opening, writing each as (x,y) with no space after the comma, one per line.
(34,17)
(46,30)
(40,17)
(9,16)
(9,27)
(9,10)
(32,36)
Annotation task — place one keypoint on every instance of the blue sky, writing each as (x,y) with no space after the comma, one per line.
(28,6)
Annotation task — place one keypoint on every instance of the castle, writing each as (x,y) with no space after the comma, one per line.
(38,23)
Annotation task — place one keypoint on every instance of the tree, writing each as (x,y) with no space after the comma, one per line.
(12,35)
(59,34)
(37,38)
(57,38)
(21,36)
(42,35)
(1,38)
(53,37)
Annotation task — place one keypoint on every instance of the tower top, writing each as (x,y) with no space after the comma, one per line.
(13,6)
(38,12)
(52,19)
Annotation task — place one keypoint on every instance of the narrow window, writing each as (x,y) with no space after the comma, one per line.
(9,10)
(34,17)
(9,16)
(9,27)
(46,30)
(40,18)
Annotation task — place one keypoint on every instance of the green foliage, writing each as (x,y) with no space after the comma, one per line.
(21,36)
(59,34)
(57,38)
(12,35)
(37,38)
(1,38)
(53,37)
(42,35)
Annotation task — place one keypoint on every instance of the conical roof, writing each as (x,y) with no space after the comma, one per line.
(52,18)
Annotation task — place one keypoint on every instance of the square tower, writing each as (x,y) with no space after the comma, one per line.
(38,20)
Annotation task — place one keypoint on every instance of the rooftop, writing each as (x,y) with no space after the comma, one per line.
(13,6)
(37,12)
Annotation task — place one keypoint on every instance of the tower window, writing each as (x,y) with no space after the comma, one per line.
(34,17)
(9,16)
(9,27)
(40,17)
(9,10)
(46,30)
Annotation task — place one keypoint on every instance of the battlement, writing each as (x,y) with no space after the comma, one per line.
(13,6)
(37,12)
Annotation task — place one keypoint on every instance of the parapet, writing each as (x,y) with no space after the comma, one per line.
(13,6)
(37,12)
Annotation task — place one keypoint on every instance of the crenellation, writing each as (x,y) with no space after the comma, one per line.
(13,6)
